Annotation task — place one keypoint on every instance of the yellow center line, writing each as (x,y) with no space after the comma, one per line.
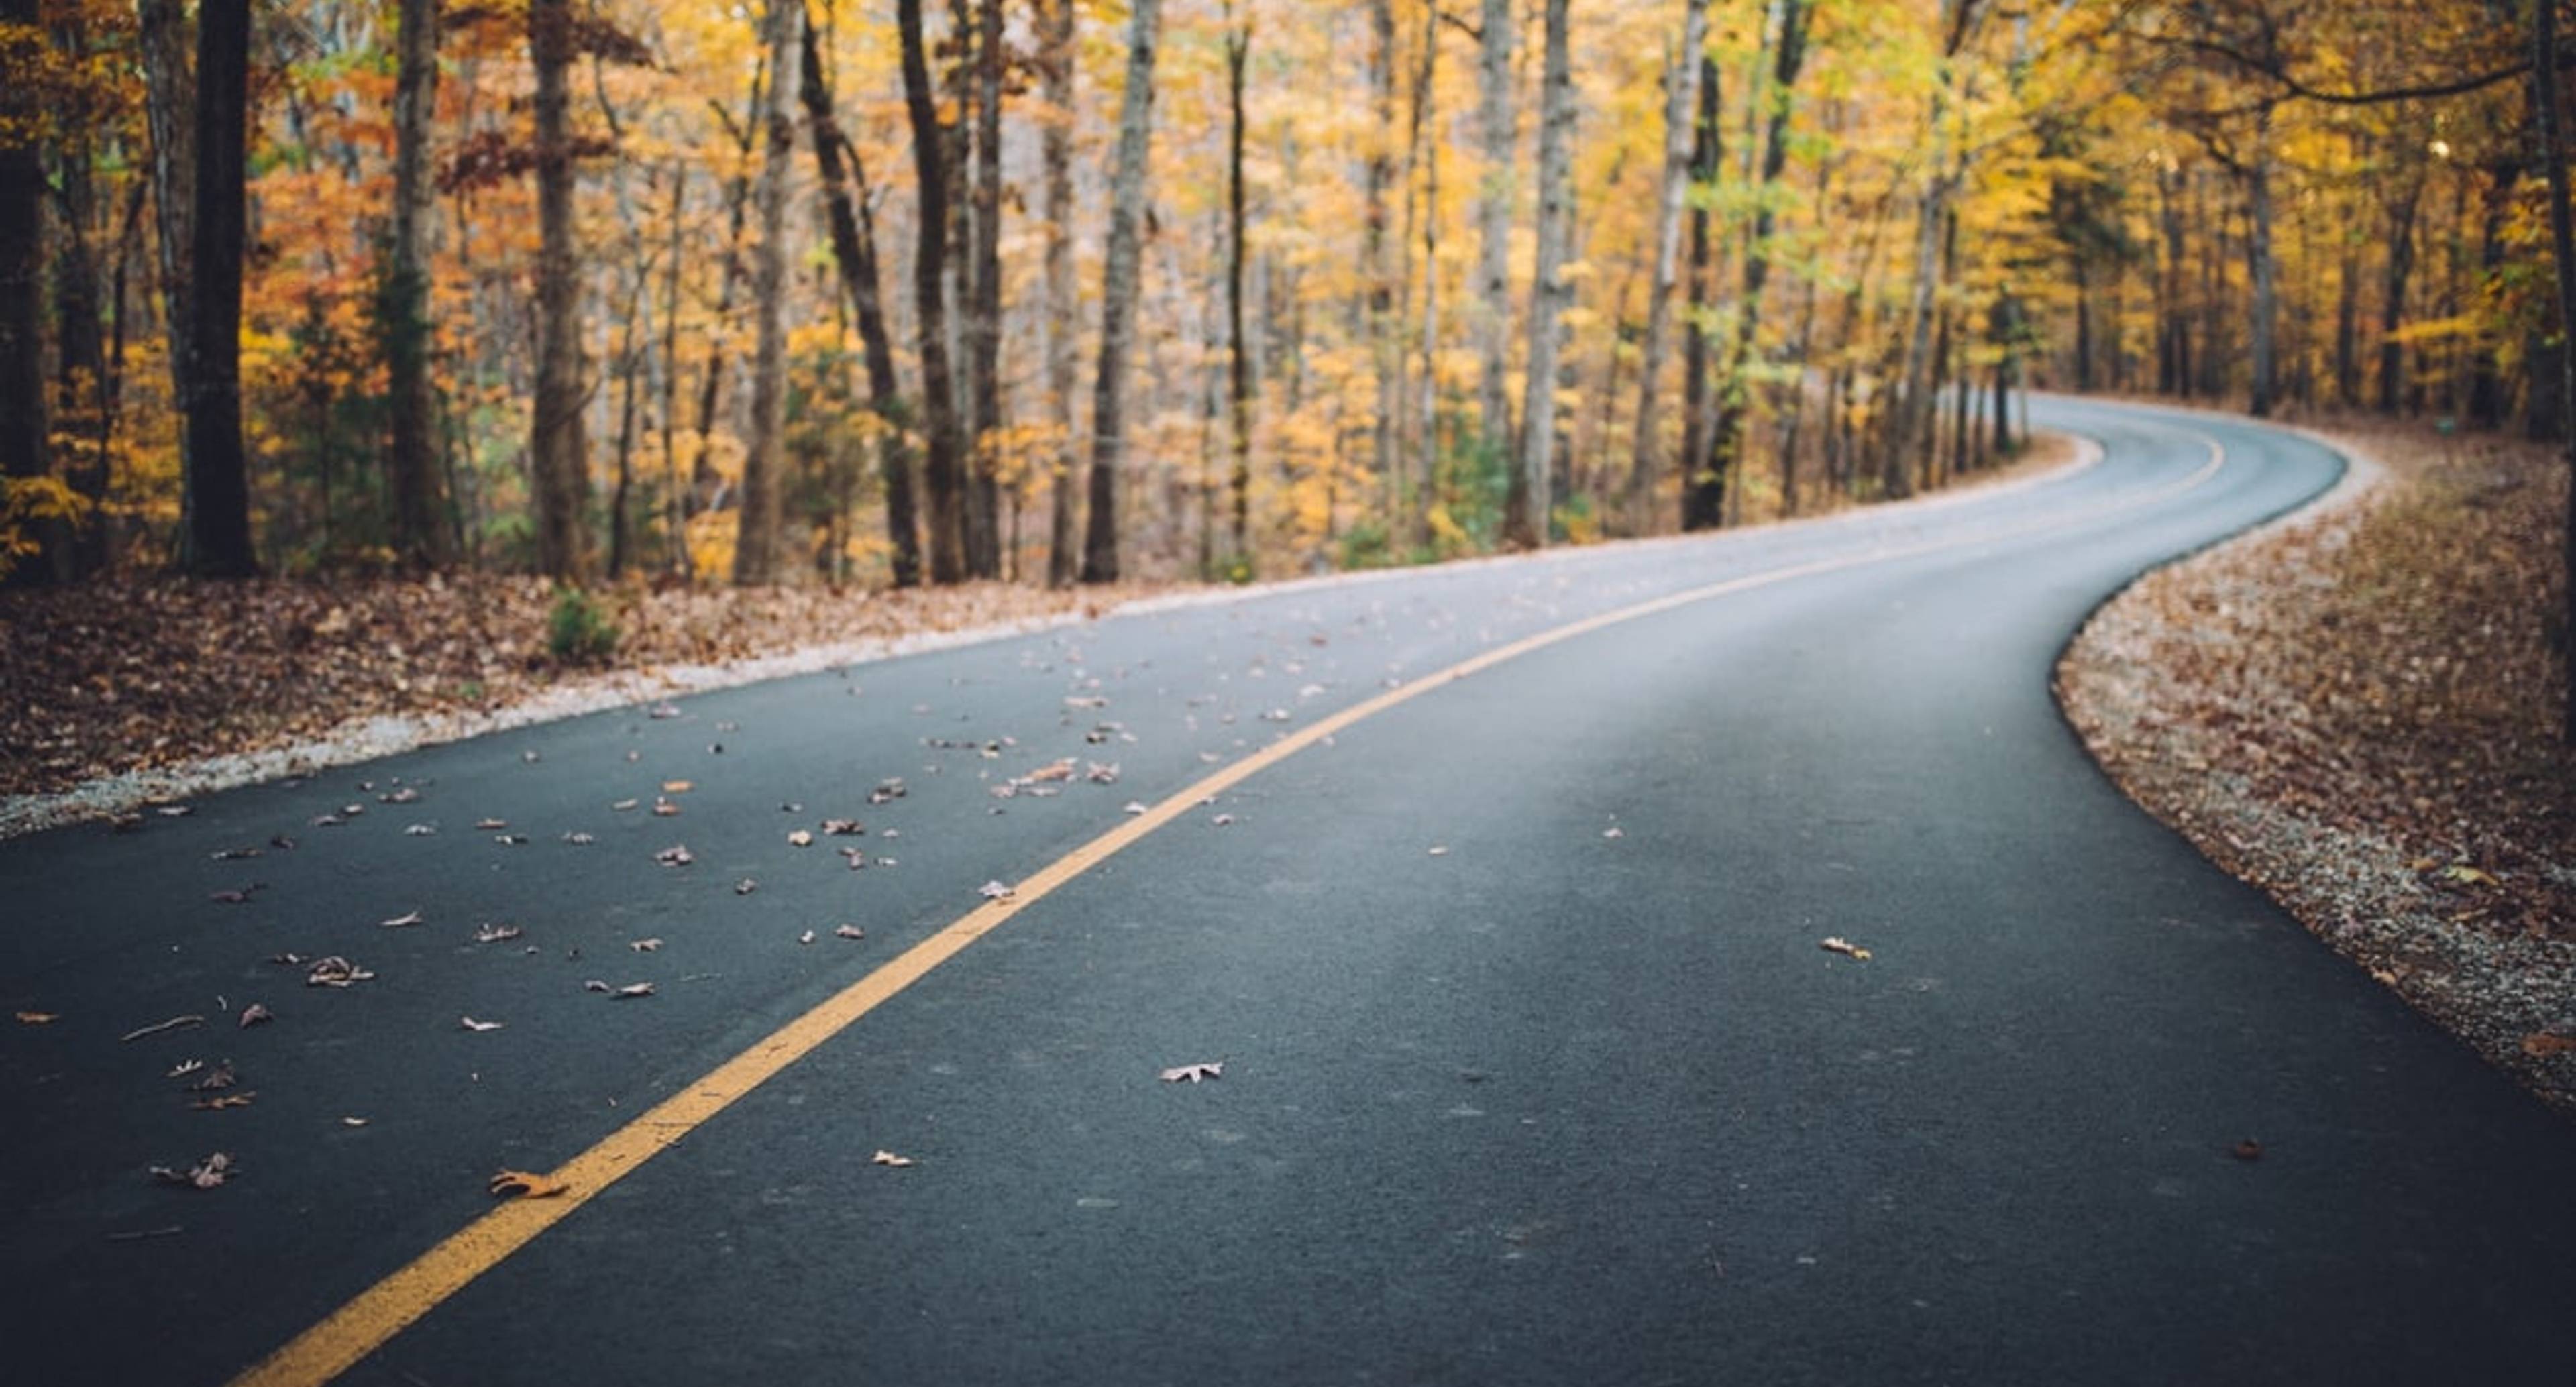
(385,1309)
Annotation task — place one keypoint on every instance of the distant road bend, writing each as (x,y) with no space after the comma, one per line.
(1500,893)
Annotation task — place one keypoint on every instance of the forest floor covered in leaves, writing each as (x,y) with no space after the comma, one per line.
(116,693)
(2357,710)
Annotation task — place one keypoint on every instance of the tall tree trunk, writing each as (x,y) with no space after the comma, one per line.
(1799,353)
(2486,373)
(217,543)
(854,250)
(755,551)
(1496,137)
(1681,141)
(1711,480)
(1238,49)
(170,112)
(423,535)
(1526,506)
(1379,247)
(984,300)
(2550,114)
(1707,152)
(22,289)
(1055,157)
(558,454)
(942,474)
(2265,265)
(1118,294)
(2392,296)
(80,347)
(2347,347)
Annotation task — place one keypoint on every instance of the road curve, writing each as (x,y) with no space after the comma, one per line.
(1534,1070)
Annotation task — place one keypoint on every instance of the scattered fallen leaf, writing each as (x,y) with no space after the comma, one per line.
(495,933)
(1101,773)
(890,1158)
(645,946)
(490,825)
(800,838)
(1835,943)
(665,809)
(663,710)
(471,1024)
(402,921)
(996,891)
(326,821)
(678,787)
(632,989)
(579,839)
(157,1027)
(806,938)
(184,1068)
(1134,807)
(511,840)
(849,932)
(353,1122)
(623,805)
(213,1080)
(529,757)
(745,886)
(887,790)
(335,971)
(420,830)
(254,1014)
(175,811)
(677,855)
(1053,770)
(233,854)
(226,1100)
(1437,850)
(2247,1150)
(38,1018)
(526,1185)
(140,1234)
(204,1175)
(238,896)
(405,795)
(2543,1044)
(2465,875)
(1614,833)
(1222,820)
(1194,1073)
(843,828)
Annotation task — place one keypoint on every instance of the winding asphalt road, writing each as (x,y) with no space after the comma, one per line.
(1534,1070)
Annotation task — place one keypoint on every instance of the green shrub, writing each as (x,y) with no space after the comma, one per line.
(579,631)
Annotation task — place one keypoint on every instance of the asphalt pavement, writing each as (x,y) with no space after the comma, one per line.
(1535,1067)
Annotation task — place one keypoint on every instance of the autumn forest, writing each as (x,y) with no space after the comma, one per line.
(889,292)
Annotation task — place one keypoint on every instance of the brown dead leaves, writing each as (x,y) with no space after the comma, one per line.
(206,1174)
(1836,944)
(521,1184)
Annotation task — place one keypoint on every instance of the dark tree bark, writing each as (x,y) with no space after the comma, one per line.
(2486,404)
(755,554)
(217,543)
(1682,140)
(1118,295)
(22,281)
(984,300)
(558,455)
(1707,151)
(170,112)
(1527,505)
(1055,155)
(854,249)
(2392,294)
(1238,48)
(930,308)
(1496,135)
(1712,478)
(423,535)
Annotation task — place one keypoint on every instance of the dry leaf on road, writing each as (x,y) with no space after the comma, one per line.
(495,933)
(228,1100)
(1195,1073)
(849,932)
(401,921)
(1836,944)
(677,855)
(2543,1044)
(800,838)
(645,946)
(204,1175)
(526,1185)
(335,971)
(471,1024)
(38,1018)
(996,891)
(255,1014)
(2247,1150)
(890,1158)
